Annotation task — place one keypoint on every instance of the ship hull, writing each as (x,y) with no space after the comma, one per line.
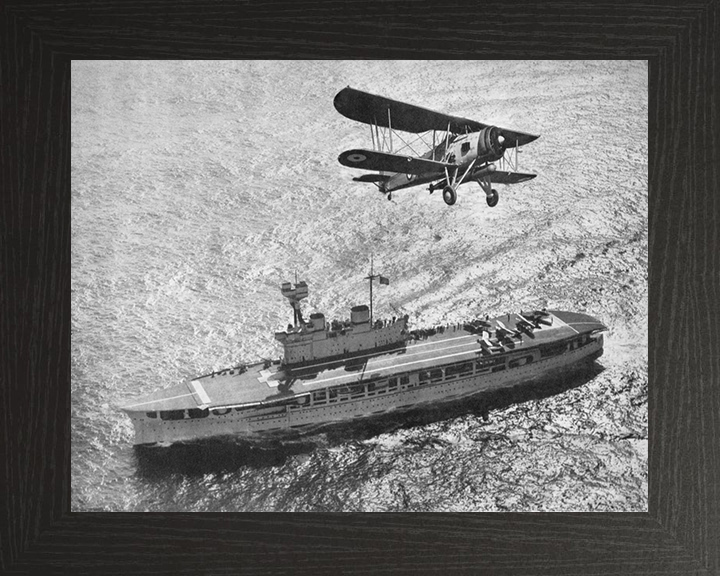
(414,390)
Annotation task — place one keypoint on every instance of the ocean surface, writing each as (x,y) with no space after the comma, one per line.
(199,187)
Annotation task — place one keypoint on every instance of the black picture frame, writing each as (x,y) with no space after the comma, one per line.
(681,531)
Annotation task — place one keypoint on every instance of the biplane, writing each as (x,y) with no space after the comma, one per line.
(456,150)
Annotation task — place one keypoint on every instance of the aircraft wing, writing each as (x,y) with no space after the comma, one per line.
(384,162)
(371,109)
(501,177)
(514,138)
(372,178)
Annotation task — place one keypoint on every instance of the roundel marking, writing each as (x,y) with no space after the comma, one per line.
(356,157)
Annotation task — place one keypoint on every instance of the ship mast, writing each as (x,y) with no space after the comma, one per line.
(371,277)
(295,293)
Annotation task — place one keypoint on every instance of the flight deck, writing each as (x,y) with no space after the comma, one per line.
(266,383)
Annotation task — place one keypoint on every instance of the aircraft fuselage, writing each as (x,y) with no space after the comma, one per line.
(462,150)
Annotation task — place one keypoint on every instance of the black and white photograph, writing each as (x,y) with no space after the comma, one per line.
(359,286)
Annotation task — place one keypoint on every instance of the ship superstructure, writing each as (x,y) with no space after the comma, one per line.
(314,340)
(344,370)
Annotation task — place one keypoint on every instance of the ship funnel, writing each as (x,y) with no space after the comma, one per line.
(359,314)
(318,321)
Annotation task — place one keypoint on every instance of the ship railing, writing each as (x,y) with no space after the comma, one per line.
(239,369)
(291,400)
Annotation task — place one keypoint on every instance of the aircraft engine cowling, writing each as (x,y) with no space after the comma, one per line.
(491,145)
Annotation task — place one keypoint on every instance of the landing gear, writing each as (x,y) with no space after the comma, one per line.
(449,195)
(491,195)
(389,195)
(492,198)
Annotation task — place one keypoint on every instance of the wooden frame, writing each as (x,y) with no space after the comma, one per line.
(681,532)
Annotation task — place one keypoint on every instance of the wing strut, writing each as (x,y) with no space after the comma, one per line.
(466,172)
(390,129)
(511,164)
(454,182)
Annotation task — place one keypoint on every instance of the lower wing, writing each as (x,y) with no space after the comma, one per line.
(496,177)
(502,177)
(384,162)
(374,178)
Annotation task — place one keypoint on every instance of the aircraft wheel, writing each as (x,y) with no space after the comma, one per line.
(389,196)
(493,198)
(449,195)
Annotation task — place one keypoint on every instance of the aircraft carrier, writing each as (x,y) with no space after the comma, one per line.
(338,371)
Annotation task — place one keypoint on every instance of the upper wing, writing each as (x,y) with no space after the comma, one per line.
(514,138)
(382,161)
(501,177)
(371,109)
